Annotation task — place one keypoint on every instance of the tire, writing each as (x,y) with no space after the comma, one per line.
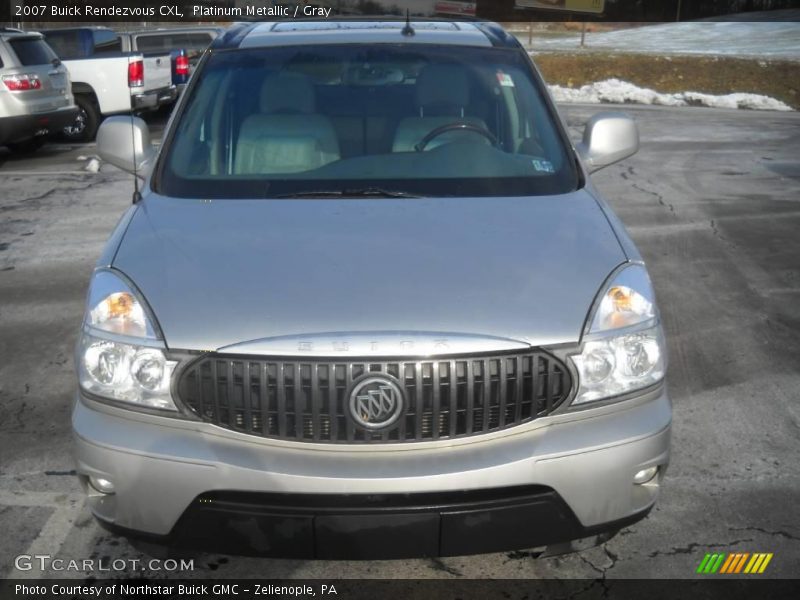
(84,128)
(27,146)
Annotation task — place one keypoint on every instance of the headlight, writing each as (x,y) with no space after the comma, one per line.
(125,372)
(624,347)
(628,300)
(119,354)
(114,307)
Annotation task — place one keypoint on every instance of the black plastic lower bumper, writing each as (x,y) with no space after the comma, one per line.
(378,526)
(23,127)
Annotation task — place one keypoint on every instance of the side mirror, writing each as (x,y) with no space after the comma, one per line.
(125,143)
(607,139)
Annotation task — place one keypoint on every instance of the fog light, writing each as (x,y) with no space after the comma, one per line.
(645,475)
(104,486)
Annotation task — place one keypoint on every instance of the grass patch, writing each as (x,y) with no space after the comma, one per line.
(711,75)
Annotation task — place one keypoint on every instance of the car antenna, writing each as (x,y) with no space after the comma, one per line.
(137,196)
(408,29)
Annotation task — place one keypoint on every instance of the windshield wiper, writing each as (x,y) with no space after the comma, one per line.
(371,192)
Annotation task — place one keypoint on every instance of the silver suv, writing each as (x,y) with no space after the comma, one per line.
(35,95)
(369,304)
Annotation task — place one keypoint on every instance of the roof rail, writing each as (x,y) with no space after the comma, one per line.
(497,35)
(234,35)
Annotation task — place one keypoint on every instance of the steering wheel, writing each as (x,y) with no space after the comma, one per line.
(457,126)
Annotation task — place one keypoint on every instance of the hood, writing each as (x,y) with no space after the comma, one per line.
(271,272)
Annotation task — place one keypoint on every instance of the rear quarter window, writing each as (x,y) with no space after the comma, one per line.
(173,41)
(106,42)
(198,41)
(154,43)
(32,51)
(70,44)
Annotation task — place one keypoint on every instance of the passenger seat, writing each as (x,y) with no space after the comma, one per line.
(287,136)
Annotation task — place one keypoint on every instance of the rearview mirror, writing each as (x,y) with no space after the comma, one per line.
(125,143)
(607,139)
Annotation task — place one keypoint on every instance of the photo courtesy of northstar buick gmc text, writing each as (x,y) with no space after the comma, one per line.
(368,304)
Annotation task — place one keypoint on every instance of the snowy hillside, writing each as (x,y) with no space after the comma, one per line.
(759,39)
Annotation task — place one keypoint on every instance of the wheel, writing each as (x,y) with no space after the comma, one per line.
(27,146)
(84,127)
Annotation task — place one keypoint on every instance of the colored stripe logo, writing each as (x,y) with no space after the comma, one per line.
(734,563)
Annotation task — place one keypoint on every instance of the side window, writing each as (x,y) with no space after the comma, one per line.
(200,142)
(539,136)
(106,42)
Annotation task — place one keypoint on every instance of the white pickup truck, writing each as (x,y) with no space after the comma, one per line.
(107,81)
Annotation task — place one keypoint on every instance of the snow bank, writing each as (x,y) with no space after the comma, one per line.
(614,91)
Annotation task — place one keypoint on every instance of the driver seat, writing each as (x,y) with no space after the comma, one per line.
(442,95)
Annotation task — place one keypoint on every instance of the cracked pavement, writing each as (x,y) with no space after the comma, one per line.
(713,202)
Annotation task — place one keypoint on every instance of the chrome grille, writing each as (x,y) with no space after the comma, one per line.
(307,400)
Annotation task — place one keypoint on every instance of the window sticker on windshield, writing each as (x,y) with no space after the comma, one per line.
(543,166)
(505,79)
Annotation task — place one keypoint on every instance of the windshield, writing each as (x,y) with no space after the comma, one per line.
(390,119)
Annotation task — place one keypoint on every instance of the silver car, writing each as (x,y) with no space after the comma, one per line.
(35,95)
(368,304)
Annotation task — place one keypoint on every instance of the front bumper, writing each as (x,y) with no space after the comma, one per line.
(556,479)
(154,98)
(24,127)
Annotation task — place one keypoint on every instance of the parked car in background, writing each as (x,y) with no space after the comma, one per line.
(106,80)
(185,45)
(35,94)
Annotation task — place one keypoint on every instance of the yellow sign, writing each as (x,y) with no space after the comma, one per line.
(585,6)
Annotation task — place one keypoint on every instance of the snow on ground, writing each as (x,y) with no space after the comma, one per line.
(760,39)
(614,91)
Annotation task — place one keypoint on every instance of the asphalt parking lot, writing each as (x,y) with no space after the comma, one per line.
(713,202)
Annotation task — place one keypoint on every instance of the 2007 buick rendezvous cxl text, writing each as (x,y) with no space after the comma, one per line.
(370,305)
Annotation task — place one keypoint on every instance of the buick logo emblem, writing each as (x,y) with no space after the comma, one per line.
(376,402)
